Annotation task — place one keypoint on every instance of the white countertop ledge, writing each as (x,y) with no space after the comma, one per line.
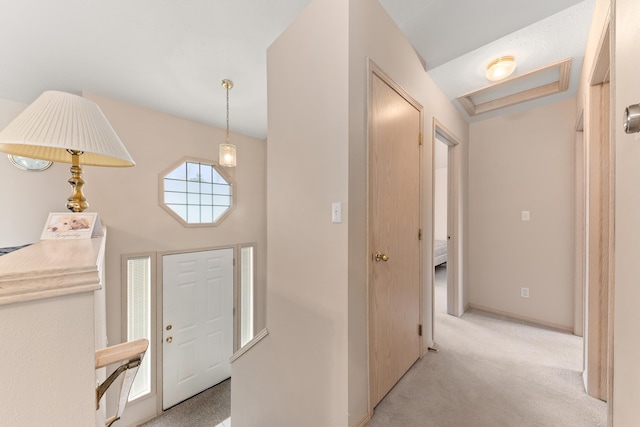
(50,268)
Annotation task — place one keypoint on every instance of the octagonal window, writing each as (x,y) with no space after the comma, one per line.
(196,192)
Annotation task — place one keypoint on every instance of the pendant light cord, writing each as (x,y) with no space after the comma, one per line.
(227,86)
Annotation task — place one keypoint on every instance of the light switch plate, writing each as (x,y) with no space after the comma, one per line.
(526,216)
(336,212)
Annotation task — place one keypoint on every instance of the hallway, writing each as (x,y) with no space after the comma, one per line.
(492,371)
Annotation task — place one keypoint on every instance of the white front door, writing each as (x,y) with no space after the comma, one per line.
(197,322)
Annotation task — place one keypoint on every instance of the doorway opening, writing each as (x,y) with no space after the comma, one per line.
(447,221)
(595,257)
(440,219)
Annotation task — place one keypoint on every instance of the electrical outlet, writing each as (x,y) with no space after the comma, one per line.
(524,292)
(526,216)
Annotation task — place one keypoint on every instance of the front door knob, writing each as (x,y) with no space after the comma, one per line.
(379,256)
(170,340)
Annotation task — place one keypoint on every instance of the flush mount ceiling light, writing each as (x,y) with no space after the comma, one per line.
(500,68)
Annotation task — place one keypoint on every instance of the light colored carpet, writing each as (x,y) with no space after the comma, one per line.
(492,371)
(207,409)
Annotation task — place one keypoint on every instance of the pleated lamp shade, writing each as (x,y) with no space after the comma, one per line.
(57,122)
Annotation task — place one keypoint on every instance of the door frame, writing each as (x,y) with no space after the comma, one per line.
(455,306)
(160,315)
(374,69)
(597,246)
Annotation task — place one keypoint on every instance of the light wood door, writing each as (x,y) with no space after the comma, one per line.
(394,185)
(198,322)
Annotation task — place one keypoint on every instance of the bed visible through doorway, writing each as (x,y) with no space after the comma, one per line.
(439,252)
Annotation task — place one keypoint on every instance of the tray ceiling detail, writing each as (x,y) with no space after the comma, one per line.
(538,83)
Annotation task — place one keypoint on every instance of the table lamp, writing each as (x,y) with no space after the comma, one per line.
(67,128)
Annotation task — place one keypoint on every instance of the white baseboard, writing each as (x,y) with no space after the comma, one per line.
(562,328)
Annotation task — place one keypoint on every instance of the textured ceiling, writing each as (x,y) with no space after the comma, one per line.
(172,55)
(558,37)
(442,30)
(167,55)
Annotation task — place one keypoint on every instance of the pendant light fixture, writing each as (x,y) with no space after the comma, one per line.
(227,154)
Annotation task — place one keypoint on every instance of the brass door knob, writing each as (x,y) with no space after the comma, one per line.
(170,340)
(379,256)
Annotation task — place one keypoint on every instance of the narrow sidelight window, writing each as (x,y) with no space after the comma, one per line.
(247,279)
(138,322)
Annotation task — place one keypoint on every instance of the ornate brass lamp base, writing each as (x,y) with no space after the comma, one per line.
(76,202)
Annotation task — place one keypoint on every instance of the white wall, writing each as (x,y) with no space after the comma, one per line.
(298,375)
(42,386)
(127,201)
(312,368)
(523,161)
(626,381)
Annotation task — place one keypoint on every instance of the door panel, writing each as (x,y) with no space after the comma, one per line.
(198,322)
(394,184)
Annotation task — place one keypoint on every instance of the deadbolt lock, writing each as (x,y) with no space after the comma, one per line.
(169,327)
